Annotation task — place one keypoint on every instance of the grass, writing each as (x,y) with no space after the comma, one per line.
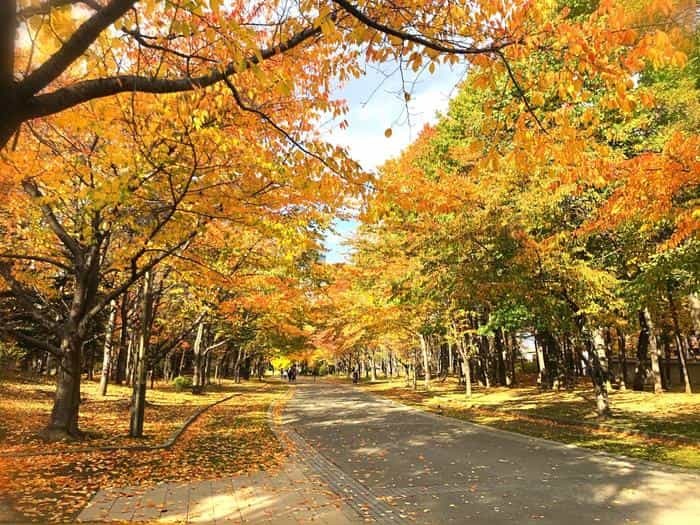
(230,438)
(105,420)
(524,409)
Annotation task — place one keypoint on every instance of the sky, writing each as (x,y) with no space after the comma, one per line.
(376,103)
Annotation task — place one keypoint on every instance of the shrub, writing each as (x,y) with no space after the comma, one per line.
(181,383)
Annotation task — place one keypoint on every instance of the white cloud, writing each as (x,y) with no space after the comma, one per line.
(371,112)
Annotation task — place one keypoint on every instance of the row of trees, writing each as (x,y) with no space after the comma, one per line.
(140,229)
(575,221)
(163,175)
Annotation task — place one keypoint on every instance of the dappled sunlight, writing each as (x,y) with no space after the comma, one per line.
(439,464)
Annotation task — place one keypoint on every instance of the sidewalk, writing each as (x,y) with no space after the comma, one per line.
(285,497)
(299,492)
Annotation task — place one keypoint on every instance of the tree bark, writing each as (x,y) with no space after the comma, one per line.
(648,325)
(107,353)
(414,365)
(120,375)
(197,383)
(501,372)
(466,364)
(138,402)
(541,366)
(680,346)
(623,359)
(63,422)
(597,370)
(643,365)
(426,361)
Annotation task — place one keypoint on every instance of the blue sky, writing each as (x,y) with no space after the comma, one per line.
(376,103)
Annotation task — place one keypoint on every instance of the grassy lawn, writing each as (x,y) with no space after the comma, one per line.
(231,437)
(521,409)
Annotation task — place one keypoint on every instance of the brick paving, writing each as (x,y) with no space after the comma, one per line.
(308,489)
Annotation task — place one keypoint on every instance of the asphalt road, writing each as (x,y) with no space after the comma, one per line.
(435,469)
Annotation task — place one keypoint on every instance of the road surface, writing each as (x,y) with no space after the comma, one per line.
(433,469)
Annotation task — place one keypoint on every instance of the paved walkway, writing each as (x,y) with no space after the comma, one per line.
(299,493)
(356,458)
(433,469)
(281,498)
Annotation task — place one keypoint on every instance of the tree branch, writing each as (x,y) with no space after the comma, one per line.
(417,39)
(74,47)
(25,297)
(44,8)
(69,242)
(37,258)
(135,276)
(79,92)
(33,341)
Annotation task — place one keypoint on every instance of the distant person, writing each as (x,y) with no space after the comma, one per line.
(355,376)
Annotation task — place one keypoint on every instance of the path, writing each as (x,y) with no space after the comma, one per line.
(433,469)
(295,494)
(287,497)
(356,458)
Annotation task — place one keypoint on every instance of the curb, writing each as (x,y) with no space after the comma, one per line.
(602,426)
(161,446)
(578,422)
(524,438)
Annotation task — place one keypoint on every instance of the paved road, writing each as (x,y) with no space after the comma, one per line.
(432,469)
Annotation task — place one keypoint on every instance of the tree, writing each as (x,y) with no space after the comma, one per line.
(160,48)
(127,192)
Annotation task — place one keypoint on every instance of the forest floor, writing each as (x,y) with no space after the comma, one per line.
(230,438)
(527,410)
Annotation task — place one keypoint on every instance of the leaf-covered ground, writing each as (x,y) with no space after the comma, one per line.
(231,437)
(668,413)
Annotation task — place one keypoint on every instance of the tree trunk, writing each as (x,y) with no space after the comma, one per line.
(501,373)
(694,306)
(138,400)
(89,361)
(648,325)
(666,369)
(597,369)
(181,366)
(131,352)
(643,365)
(426,361)
(466,364)
(679,342)
(63,422)
(623,359)
(197,365)
(107,354)
(237,366)
(414,365)
(120,375)
(373,372)
(541,367)
(513,357)
(207,369)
